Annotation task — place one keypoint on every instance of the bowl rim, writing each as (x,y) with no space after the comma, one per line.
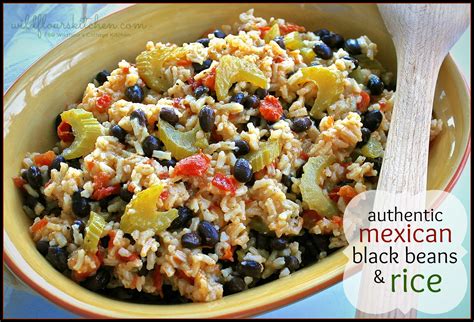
(245,313)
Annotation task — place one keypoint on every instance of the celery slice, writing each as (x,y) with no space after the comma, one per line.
(261,158)
(311,192)
(141,213)
(372,149)
(232,69)
(94,230)
(330,85)
(272,33)
(180,144)
(86,130)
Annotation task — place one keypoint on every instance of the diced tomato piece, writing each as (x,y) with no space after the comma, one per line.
(290,27)
(270,108)
(310,218)
(337,220)
(347,192)
(164,195)
(100,257)
(183,62)
(131,187)
(157,278)
(278,59)
(182,275)
(194,83)
(225,183)
(210,79)
(193,166)
(125,70)
(164,175)
(101,180)
(334,194)
(111,239)
(102,193)
(39,225)
(103,103)
(65,133)
(263,31)
(364,102)
(45,158)
(132,257)
(177,102)
(304,155)
(19,182)
(79,277)
(383,105)
(229,254)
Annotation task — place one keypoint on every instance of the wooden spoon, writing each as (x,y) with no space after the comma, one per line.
(423,34)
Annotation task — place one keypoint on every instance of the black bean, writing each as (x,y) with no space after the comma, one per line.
(104,203)
(74,163)
(237,98)
(104,241)
(143,271)
(321,242)
(200,67)
(261,93)
(140,116)
(249,268)
(42,246)
(80,225)
(118,132)
(255,120)
(126,195)
(134,94)
(209,234)
(191,240)
(286,181)
(299,172)
(333,40)
(322,50)
(56,212)
(321,32)
(200,91)
(168,163)
(150,144)
(280,42)
(184,217)
(34,177)
(251,101)
(261,241)
(365,136)
(130,238)
(99,281)
(235,285)
(80,205)
(101,77)
(219,33)
(354,60)
(278,243)
(352,46)
(57,121)
(203,41)
(30,201)
(292,263)
(57,257)
(375,85)
(251,182)
(206,117)
(372,120)
(242,147)
(301,124)
(242,170)
(124,294)
(377,163)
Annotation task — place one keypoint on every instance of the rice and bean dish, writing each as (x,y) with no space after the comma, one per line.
(209,168)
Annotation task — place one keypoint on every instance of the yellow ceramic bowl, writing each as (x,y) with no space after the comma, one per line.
(60,78)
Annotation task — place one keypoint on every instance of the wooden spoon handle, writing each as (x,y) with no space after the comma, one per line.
(406,160)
